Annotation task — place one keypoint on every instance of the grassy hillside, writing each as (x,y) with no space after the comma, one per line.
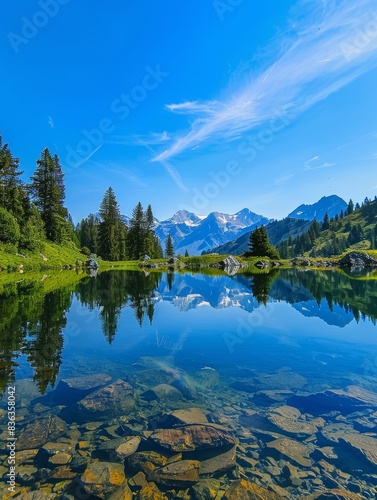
(277,231)
(52,256)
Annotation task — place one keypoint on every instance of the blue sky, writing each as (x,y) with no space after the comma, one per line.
(202,105)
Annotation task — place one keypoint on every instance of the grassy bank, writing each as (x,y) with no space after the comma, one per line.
(52,256)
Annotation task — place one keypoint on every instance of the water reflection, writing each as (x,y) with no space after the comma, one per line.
(32,321)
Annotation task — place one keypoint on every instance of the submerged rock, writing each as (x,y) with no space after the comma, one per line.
(162,392)
(293,450)
(178,474)
(39,432)
(245,490)
(118,449)
(285,380)
(114,399)
(71,390)
(151,492)
(178,417)
(345,402)
(102,478)
(193,437)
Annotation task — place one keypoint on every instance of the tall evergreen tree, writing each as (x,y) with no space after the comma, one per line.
(12,190)
(112,231)
(48,193)
(136,238)
(169,249)
(326,222)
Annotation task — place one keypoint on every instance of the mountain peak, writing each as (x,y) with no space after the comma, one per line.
(332,204)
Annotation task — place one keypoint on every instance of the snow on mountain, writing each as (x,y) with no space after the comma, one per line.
(217,229)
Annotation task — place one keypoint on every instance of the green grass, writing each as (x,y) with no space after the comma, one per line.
(57,257)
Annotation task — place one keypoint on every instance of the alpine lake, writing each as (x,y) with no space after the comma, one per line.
(151,385)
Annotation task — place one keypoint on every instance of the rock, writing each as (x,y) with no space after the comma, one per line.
(244,490)
(122,493)
(37,495)
(262,264)
(138,480)
(185,386)
(206,489)
(293,450)
(193,437)
(162,392)
(102,478)
(216,461)
(61,473)
(285,419)
(114,399)
(71,390)
(151,492)
(146,461)
(178,474)
(284,380)
(267,397)
(228,263)
(178,417)
(116,450)
(351,400)
(93,264)
(25,474)
(362,444)
(39,432)
(78,464)
(358,260)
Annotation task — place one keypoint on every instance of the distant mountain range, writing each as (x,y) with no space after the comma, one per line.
(229,234)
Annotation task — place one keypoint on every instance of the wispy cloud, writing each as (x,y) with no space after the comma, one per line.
(50,121)
(120,171)
(153,138)
(316,57)
(315,164)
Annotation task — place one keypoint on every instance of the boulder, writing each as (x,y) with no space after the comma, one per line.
(102,478)
(206,489)
(358,260)
(349,401)
(116,450)
(39,432)
(296,452)
(217,461)
(178,417)
(162,392)
(146,461)
(71,390)
(193,437)
(262,264)
(112,400)
(177,474)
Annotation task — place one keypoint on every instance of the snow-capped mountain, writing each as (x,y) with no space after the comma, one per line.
(217,229)
(179,226)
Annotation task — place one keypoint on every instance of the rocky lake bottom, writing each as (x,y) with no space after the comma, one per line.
(287,412)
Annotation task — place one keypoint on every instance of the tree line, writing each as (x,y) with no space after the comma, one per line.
(33,213)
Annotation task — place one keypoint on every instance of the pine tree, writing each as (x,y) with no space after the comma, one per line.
(112,231)
(260,245)
(136,238)
(169,249)
(350,207)
(12,190)
(326,222)
(48,193)
(186,253)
